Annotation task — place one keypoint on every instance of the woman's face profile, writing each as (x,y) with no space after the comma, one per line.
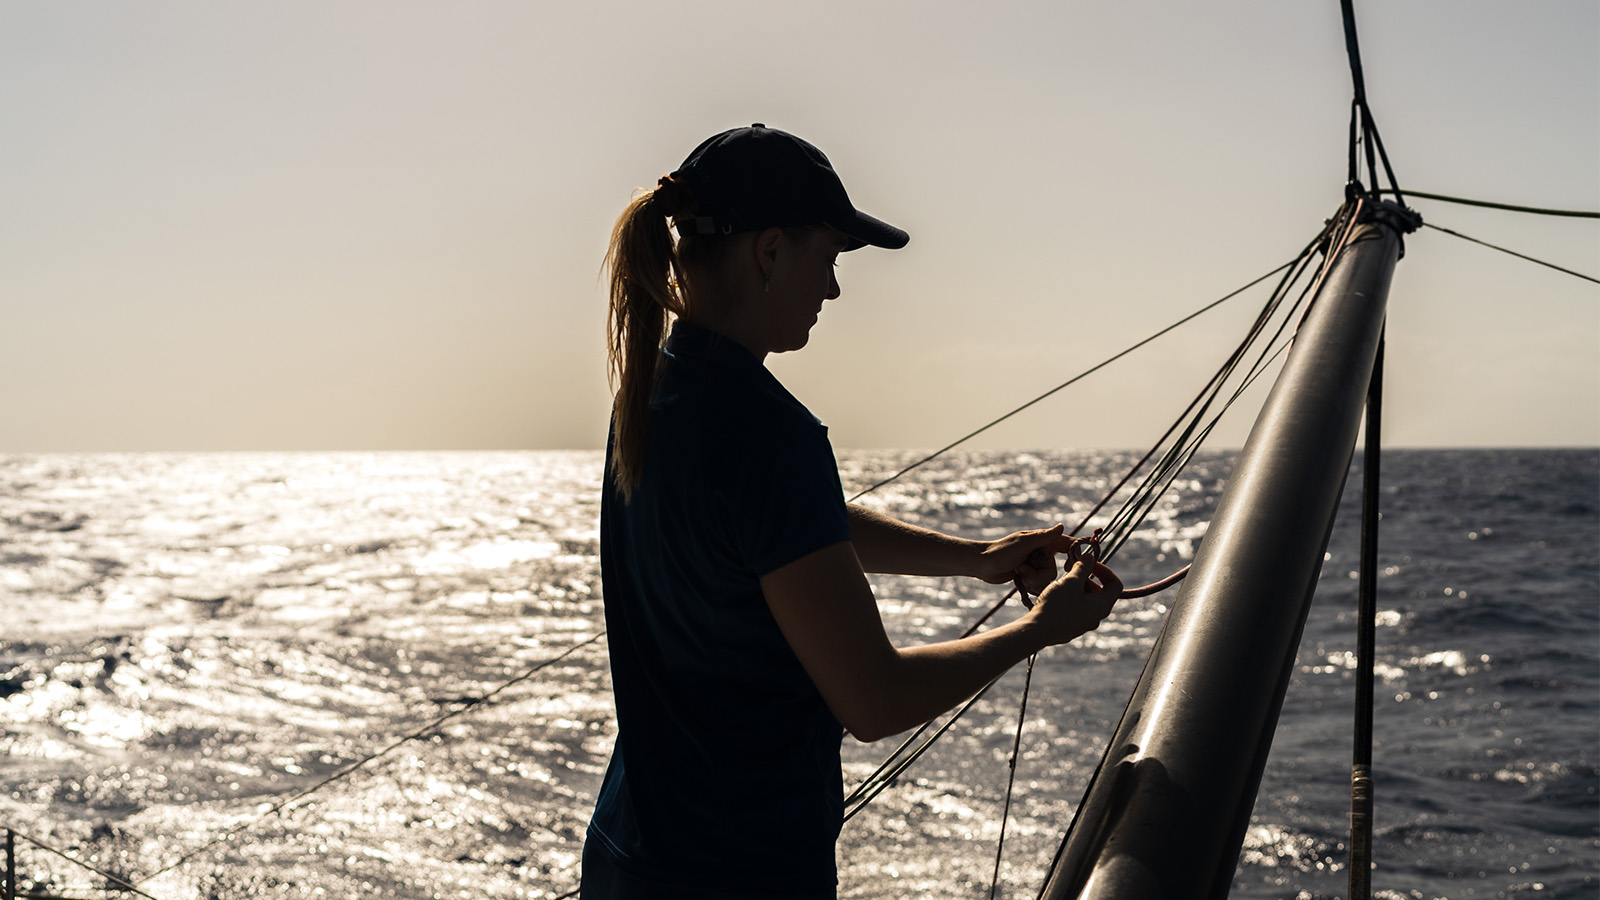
(803,278)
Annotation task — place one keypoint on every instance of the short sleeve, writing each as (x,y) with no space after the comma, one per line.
(789,502)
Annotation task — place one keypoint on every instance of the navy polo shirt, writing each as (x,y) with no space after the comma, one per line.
(725,774)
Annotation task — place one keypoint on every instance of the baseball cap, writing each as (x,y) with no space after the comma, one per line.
(747,179)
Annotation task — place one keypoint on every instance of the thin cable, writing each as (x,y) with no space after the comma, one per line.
(1296,269)
(890,769)
(870,789)
(122,883)
(1156,482)
(872,779)
(1155,587)
(1384,156)
(1513,253)
(1352,49)
(1160,479)
(1011,780)
(1347,218)
(1266,356)
(1181,458)
(420,732)
(1352,175)
(1370,140)
(1178,456)
(875,783)
(1078,377)
(1535,210)
(971,629)
(1188,454)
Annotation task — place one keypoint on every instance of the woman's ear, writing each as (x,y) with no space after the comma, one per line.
(766,250)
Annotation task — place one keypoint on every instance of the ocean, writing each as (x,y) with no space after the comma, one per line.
(190,640)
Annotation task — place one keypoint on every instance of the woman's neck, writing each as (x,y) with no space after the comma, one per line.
(743,330)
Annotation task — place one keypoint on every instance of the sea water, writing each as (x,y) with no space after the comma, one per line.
(190,640)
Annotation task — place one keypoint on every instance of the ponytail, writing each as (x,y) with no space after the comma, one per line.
(645,279)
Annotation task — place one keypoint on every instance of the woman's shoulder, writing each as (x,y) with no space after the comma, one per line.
(737,411)
(741,447)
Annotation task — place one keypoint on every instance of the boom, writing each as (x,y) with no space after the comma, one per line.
(1166,811)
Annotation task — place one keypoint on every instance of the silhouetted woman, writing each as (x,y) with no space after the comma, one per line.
(743,630)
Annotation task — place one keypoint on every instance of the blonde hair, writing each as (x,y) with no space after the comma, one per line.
(644,278)
(649,276)
(652,279)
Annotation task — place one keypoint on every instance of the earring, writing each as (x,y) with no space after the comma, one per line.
(767,288)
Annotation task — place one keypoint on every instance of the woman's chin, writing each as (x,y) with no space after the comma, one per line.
(794,344)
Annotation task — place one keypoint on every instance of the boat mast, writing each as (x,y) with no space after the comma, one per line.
(1165,813)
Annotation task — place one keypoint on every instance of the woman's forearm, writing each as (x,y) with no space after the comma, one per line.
(888,546)
(932,678)
(824,605)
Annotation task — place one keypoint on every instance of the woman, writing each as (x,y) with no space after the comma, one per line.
(742,627)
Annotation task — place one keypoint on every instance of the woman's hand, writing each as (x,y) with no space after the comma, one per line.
(1076,603)
(1026,556)
(824,605)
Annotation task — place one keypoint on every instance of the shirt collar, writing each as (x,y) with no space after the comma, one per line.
(691,342)
(697,342)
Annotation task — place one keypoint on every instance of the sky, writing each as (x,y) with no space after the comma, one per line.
(379,225)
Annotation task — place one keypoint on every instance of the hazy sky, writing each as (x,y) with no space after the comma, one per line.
(374,225)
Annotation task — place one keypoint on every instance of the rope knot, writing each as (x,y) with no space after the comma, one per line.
(1085,549)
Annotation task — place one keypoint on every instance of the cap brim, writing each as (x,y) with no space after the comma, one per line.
(863,229)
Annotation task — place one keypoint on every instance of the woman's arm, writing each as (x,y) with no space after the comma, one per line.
(826,610)
(889,546)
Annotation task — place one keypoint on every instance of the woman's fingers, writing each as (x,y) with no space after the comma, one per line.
(1109,582)
(1063,542)
(1032,555)
(1036,573)
(1021,555)
(1075,603)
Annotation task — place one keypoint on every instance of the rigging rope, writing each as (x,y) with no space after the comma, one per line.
(120,883)
(1535,210)
(879,781)
(1366,135)
(1177,457)
(1202,400)
(1513,253)
(1078,377)
(874,784)
(1155,484)
(872,781)
(1159,480)
(1011,780)
(1332,239)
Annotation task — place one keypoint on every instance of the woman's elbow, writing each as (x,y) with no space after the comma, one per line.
(870,699)
(867,734)
(870,722)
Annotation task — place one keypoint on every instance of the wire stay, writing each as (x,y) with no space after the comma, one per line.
(1534,210)
(1070,381)
(1513,253)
